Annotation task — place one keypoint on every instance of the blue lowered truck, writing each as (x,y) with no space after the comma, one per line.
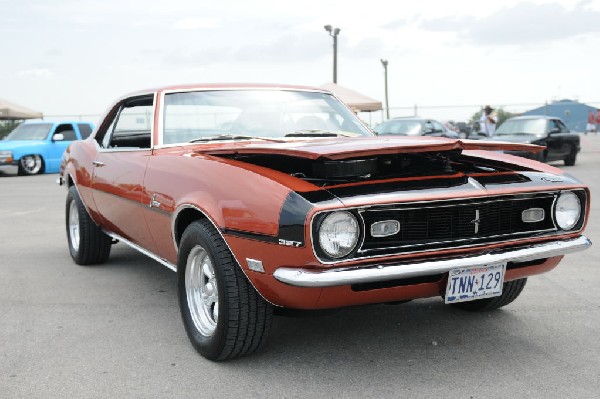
(37,147)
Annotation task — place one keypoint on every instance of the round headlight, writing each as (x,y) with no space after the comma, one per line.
(567,210)
(338,234)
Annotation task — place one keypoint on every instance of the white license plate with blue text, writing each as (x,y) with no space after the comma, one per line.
(468,284)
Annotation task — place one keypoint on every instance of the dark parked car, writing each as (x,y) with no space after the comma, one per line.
(548,131)
(414,127)
(464,130)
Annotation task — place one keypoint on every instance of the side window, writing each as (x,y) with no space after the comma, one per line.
(563,127)
(554,125)
(437,127)
(67,131)
(428,127)
(85,130)
(131,125)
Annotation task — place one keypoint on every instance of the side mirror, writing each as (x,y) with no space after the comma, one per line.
(58,137)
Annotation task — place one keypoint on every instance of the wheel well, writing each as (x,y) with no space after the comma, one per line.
(39,155)
(184,219)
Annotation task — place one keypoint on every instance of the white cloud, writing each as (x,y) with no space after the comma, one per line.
(523,23)
(197,23)
(42,73)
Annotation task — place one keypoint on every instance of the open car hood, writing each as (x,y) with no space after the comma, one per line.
(345,148)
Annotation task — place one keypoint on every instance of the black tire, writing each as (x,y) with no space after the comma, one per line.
(88,244)
(572,157)
(31,165)
(510,291)
(233,321)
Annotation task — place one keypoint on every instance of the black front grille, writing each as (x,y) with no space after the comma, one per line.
(433,224)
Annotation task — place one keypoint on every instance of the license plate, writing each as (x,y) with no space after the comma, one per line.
(468,284)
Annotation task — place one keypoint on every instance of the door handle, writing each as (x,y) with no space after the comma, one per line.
(98,163)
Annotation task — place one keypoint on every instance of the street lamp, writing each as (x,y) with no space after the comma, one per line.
(387,106)
(333,32)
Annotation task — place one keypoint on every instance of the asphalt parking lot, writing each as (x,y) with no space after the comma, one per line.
(114,330)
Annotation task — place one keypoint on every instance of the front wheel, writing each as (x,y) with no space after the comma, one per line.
(31,165)
(224,316)
(572,157)
(87,243)
(510,291)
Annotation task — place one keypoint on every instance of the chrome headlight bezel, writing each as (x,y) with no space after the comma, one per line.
(568,211)
(322,232)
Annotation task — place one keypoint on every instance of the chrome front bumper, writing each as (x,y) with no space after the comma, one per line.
(356,275)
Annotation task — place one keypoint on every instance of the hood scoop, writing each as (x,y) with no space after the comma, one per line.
(349,168)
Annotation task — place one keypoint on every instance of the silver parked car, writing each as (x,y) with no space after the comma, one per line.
(414,126)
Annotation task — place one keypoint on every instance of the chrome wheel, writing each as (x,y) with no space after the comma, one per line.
(201,291)
(31,164)
(74,225)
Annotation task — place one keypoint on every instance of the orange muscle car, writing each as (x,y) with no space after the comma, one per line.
(271,198)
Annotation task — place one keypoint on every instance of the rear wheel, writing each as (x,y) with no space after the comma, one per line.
(510,291)
(87,243)
(31,165)
(224,316)
(572,157)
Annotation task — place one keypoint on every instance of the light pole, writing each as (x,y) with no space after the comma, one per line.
(333,32)
(387,106)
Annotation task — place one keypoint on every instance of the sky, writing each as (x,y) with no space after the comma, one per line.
(75,57)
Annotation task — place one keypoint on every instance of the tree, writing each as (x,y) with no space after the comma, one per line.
(6,127)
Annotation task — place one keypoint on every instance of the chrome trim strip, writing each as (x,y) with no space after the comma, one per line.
(355,275)
(142,250)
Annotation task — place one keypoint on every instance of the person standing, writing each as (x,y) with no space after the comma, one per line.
(488,120)
(591,123)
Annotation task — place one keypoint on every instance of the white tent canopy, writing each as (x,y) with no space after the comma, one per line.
(11,111)
(353,99)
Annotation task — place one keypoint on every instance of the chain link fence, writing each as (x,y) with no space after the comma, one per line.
(574,113)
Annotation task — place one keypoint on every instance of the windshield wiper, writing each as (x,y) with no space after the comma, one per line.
(316,133)
(232,137)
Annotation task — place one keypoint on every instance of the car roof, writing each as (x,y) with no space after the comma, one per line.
(227,86)
(55,122)
(523,117)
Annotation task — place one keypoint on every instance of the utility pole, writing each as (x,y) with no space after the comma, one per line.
(333,32)
(387,105)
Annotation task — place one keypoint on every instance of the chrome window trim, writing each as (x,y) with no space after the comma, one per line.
(553,232)
(99,148)
(163,93)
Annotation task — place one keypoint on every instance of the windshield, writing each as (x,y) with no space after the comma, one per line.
(522,127)
(30,131)
(399,127)
(237,114)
